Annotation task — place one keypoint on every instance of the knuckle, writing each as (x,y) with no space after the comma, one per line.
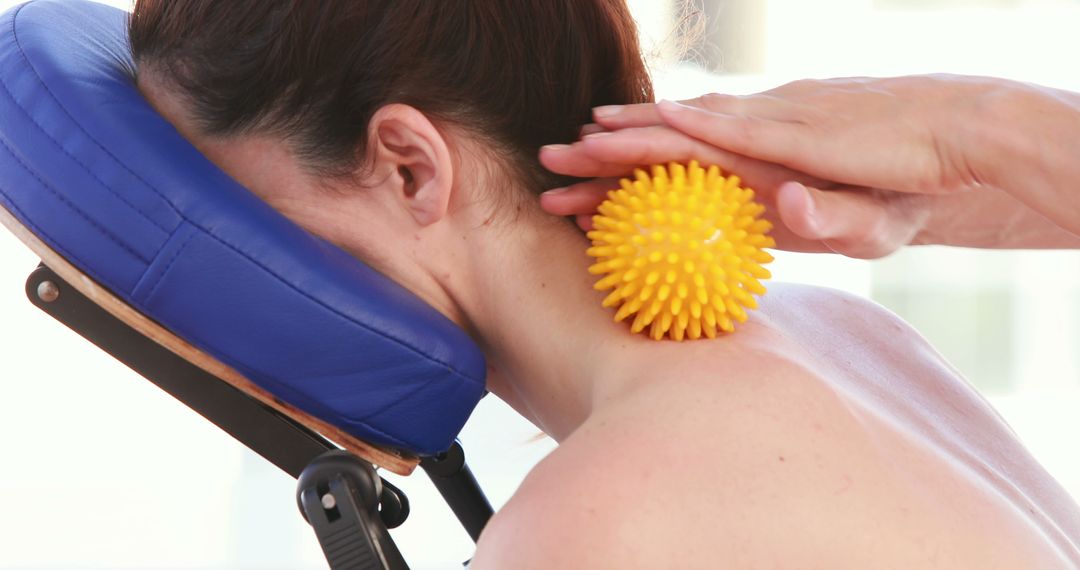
(798,85)
(719,102)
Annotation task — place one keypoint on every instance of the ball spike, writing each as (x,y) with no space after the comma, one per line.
(694,332)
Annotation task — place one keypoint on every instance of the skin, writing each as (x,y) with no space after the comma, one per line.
(825,433)
(863,166)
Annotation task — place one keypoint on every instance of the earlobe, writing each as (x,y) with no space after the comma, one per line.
(407,145)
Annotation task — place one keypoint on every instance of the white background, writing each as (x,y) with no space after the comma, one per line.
(99,469)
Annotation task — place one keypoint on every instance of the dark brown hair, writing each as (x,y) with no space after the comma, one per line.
(521,73)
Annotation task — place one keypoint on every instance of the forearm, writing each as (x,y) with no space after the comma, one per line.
(1025,140)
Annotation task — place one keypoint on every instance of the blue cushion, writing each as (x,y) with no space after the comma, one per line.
(97,174)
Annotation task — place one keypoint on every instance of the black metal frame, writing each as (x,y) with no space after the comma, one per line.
(338,493)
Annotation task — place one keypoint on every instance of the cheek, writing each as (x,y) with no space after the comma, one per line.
(334,220)
(386,242)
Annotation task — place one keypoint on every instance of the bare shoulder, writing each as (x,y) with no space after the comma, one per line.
(864,338)
(772,471)
(739,482)
(827,308)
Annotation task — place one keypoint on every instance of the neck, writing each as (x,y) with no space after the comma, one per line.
(553,351)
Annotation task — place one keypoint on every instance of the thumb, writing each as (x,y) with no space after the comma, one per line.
(581,198)
(856,222)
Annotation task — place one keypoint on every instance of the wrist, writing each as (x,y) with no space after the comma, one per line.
(1011,141)
(980,130)
(965,123)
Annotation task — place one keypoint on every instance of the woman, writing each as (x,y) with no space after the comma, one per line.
(825,432)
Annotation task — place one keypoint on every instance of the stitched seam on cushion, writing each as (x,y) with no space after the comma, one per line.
(73,207)
(10,205)
(168,266)
(57,143)
(361,423)
(146,273)
(210,234)
(398,402)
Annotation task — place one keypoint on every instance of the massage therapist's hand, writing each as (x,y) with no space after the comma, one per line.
(864,166)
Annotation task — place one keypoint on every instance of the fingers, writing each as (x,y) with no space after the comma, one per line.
(614,117)
(654,145)
(690,133)
(581,201)
(787,143)
(617,153)
(581,198)
(761,105)
(627,116)
(859,223)
(574,160)
(590,128)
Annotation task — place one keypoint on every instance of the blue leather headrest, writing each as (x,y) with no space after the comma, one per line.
(97,174)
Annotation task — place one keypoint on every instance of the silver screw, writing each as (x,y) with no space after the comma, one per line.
(328,501)
(48,291)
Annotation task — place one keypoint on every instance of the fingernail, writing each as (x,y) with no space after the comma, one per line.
(555,191)
(596,135)
(607,111)
(555,147)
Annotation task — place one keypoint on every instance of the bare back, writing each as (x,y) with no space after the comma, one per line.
(826,434)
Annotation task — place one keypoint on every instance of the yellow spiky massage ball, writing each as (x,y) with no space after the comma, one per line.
(682,250)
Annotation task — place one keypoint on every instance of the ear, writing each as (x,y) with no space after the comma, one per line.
(409,147)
